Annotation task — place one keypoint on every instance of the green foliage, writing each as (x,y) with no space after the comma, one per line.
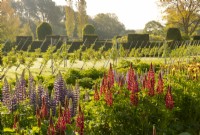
(138,66)
(123,39)
(107,25)
(70,18)
(86,82)
(88,29)
(156,37)
(186,101)
(49,83)
(10,59)
(8,131)
(153,27)
(93,73)
(39,11)
(173,34)
(121,117)
(43,30)
(71,76)
(166,50)
(81,16)
(181,14)
(124,64)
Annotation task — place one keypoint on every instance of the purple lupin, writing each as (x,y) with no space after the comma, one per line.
(33,96)
(5,93)
(40,92)
(13,105)
(59,89)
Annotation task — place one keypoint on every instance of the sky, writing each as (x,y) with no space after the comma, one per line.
(134,14)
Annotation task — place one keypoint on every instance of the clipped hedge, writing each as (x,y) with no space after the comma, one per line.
(90,37)
(44,45)
(197,37)
(43,30)
(52,37)
(173,34)
(138,37)
(23,42)
(20,39)
(88,29)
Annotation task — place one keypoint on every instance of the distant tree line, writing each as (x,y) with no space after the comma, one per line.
(23,17)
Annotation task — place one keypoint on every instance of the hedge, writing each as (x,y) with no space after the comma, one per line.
(43,30)
(90,38)
(138,37)
(173,34)
(88,29)
(197,37)
(23,42)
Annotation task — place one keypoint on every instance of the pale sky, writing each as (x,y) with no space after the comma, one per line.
(134,14)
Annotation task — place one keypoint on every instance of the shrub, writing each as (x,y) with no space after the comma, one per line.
(86,82)
(43,30)
(124,64)
(88,29)
(93,73)
(173,34)
(71,76)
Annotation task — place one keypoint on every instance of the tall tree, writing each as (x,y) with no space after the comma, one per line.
(183,14)
(153,27)
(26,30)
(9,25)
(35,11)
(70,20)
(107,25)
(155,30)
(82,16)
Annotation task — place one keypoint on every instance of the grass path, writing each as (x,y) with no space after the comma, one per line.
(35,68)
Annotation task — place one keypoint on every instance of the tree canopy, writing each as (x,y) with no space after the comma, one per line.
(107,25)
(82,17)
(9,21)
(153,27)
(35,11)
(70,18)
(155,30)
(183,14)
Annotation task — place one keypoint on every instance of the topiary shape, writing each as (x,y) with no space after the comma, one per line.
(43,30)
